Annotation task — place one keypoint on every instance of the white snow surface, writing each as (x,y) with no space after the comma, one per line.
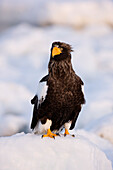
(29,151)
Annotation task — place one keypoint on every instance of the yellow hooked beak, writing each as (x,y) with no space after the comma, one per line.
(56,51)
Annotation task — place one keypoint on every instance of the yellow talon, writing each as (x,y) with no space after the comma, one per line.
(49,134)
(67,133)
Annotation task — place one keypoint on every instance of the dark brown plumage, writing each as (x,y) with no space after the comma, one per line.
(64,94)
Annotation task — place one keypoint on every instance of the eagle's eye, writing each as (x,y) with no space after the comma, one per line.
(56,51)
(61,49)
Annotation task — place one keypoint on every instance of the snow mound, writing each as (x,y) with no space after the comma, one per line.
(103,127)
(31,152)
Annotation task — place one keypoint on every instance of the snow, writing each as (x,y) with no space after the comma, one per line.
(24,55)
(14,108)
(103,127)
(29,151)
(75,13)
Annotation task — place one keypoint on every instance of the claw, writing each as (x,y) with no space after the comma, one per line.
(57,134)
(49,134)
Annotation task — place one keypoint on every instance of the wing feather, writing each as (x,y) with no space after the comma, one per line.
(38,99)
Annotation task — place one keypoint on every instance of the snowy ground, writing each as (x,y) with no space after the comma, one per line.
(31,152)
(24,56)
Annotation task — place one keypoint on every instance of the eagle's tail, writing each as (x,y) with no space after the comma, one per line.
(34,101)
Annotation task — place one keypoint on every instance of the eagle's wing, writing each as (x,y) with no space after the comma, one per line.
(38,99)
(34,101)
(42,89)
(45,78)
(80,82)
(78,107)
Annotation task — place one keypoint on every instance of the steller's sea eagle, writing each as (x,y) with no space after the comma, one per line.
(58,105)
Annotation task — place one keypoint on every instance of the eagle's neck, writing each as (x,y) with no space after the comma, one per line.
(61,69)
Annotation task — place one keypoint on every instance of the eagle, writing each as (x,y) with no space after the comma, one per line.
(57,105)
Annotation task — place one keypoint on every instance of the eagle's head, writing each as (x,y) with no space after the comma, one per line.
(60,60)
(60,51)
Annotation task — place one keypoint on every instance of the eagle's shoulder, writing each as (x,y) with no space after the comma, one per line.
(41,91)
(44,79)
(80,84)
(79,80)
(42,88)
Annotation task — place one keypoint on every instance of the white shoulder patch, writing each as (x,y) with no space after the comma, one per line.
(42,91)
(83,89)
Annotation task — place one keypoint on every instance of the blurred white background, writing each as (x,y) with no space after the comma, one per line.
(27,29)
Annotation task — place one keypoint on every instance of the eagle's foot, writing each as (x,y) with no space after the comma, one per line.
(67,133)
(49,134)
